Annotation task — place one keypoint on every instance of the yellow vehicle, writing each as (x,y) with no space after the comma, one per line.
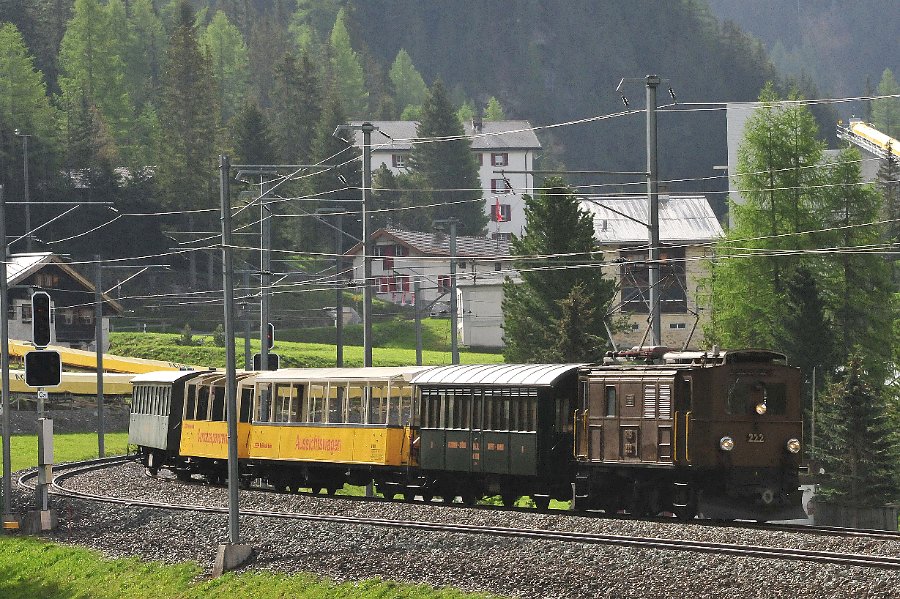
(323,427)
(204,430)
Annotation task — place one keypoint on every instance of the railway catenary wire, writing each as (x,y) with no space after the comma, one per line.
(564,536)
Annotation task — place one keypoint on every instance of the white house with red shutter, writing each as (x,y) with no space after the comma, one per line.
(504,152)
(403,258)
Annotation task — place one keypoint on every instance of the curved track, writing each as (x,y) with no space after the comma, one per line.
(886,562)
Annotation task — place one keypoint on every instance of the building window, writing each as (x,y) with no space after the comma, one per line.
(677,325)
(501,236)
(500,186)
(498,266)
(501,213)
(443,283)
(398,160)
(68,317)
(500,159)
(86,317)
(26,312)
(46,280)
(635,274)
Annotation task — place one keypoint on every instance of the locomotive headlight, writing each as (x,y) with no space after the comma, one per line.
(793,446)
(761,408)
(726,443)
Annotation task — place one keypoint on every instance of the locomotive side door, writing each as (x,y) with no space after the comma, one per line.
(601,405)
(684,389)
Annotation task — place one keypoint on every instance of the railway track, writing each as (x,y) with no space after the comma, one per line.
(66,471)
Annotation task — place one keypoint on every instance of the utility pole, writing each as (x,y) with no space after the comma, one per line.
(98,336)
(245,315)
(653,82)
(265,274)
(418,312)
(338,281)
(29,246)
(232,554)
(8,518)
(367,129)
(454,317)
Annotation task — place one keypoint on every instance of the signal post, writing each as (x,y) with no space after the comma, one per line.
(43,369)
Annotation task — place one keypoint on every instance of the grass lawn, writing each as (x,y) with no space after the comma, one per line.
(31,568)
(70,447)
(164,346)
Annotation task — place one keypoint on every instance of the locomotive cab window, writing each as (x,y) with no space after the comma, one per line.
(609,394)
(746,393)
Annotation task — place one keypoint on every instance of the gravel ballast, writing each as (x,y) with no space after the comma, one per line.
(472,562)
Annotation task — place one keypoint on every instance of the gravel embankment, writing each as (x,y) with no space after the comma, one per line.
(79,419)
(509,567)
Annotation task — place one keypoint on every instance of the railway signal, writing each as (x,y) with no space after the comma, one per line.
(273,362)
(40,319)
(43,368)
(270,336)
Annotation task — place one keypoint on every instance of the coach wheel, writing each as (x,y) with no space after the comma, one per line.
(469,498)
(332,489)
(183,475)
(409,496)
(509,500)
(427,497)
(447,498)
(685,504)
(542,502)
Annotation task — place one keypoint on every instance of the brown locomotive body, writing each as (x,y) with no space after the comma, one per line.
(714,433)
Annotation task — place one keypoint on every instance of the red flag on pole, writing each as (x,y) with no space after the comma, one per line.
(497,211)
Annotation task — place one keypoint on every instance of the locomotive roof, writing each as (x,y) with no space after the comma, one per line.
(525,375)
(338,374)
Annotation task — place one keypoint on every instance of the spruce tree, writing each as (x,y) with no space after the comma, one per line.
(559,267)
(855,446)
(296,108)
(443,158)
(224,45)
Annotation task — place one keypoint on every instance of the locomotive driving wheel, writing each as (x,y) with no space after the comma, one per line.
(684,504)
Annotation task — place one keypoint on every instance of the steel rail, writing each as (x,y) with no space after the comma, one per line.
(758,551)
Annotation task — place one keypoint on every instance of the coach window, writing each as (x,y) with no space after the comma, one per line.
(263,393)
(477,403)
(378,400)
(336,394)
(246,404)
(284,397)
(610,394)
(190,405)
(355,404)
(406,397)
(316,403)
(167,404)
(218,404)
(202,403)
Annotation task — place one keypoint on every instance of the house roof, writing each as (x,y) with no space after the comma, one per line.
(434,244)
(494,135)
(681,218)
(21,266)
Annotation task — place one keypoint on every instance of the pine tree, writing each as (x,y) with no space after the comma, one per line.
(446,164)
(89,64)
(886,111)
(296,108)
(494,111)
(856,445)
(889,184)
(780,186)
(346,70)
(228,54)
(856,284)
(409,87)
(558,268)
